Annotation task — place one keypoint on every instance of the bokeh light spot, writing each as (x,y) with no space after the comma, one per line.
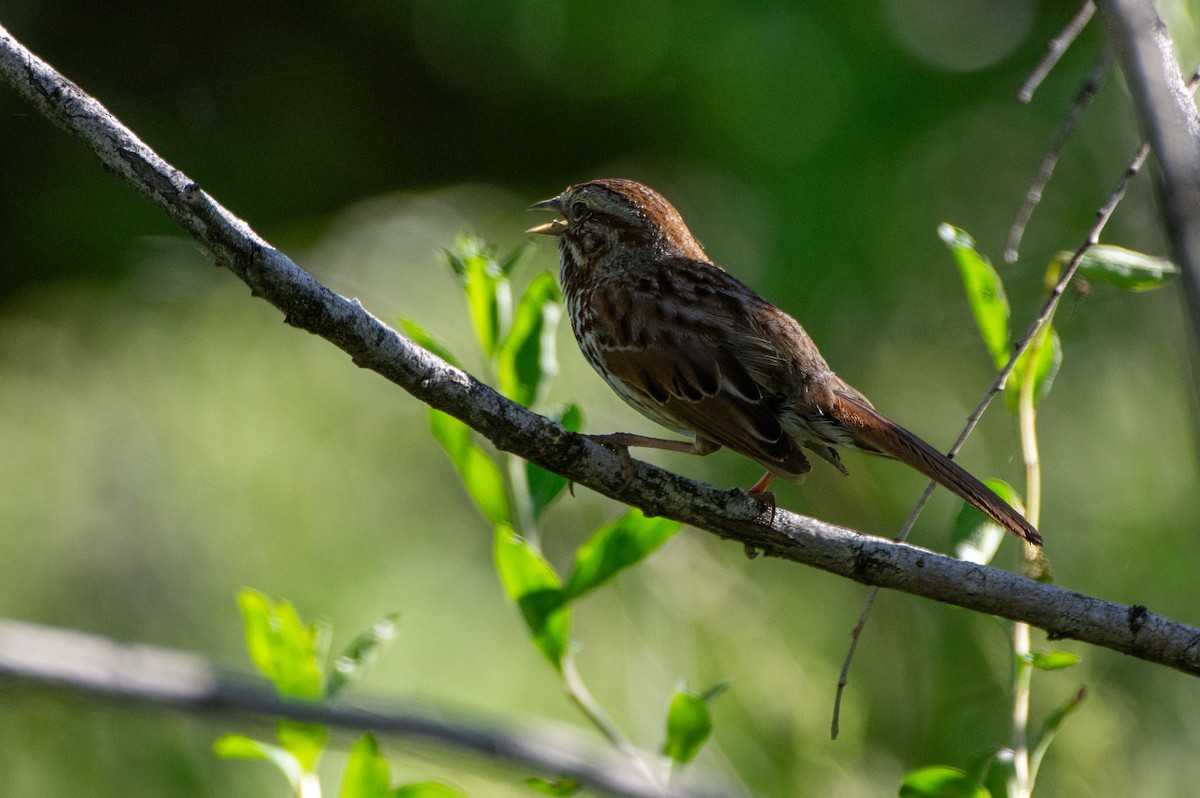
(961,36)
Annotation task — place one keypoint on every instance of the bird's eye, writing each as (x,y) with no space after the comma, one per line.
(578,210)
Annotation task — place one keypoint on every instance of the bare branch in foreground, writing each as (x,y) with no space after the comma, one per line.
(101,667)
(730,514)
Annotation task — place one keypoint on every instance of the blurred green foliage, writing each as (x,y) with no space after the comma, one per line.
(291,655)
(166,440)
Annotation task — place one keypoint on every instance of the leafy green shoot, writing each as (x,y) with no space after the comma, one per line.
(489,296)
(239,746)
(368,775)
(985,292)
(689,723)
(1124,268)
(480,474)
(1050,728)
(941,781)
(530,581)
(560,788)
(1053,660)
(525,362)
(615,547)
(362,653)
(283,648)
(546,486)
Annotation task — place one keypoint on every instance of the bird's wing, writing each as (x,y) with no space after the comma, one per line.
(696,359)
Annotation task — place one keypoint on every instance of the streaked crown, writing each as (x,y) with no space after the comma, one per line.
(603,213)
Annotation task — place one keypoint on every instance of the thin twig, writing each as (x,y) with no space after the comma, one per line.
(1054,51)
(1083,99)
(865,612)
(583,699)
(1093,237)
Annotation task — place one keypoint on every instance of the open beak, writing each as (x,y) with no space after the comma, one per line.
(552,228)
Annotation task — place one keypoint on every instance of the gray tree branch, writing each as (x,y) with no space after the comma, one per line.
(729,514)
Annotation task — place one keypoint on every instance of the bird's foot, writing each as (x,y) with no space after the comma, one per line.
(618,444)
(767,499)
(760,493)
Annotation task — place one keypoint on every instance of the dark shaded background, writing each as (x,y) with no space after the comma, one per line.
(166,441)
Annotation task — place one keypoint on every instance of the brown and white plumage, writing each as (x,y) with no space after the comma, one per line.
(693,348)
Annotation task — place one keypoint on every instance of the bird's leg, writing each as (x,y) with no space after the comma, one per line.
(759,491)
(760,487)
(622,441)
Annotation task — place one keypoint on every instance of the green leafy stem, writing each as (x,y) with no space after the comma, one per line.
(518,349)
(1013,770)
(292,655)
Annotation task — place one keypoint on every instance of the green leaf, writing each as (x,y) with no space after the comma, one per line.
(1046,354)
(526,362)
(515,258)
(985,292)
(489,296)
(238,746)
(1124,268)
(305,741)
(714,692)
(530,581)
(480,474)
(455,261)
(615,547)
(452,434)
(1055,720)
(282,647)
(360,656)
(689,724)
(940,781)
(427,341)
(546,486)
(367,773)
(975,537)
(1053,660)
(427,789)
(558,787)
(994,769)
(1053,723)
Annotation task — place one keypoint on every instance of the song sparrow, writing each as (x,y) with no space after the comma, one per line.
(694,349)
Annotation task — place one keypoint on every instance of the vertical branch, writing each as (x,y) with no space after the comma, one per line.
(1022,784)
(1169,116)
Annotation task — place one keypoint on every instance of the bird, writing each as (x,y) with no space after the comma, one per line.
(694,349)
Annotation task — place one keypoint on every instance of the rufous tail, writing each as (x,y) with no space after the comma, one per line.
(874,431)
